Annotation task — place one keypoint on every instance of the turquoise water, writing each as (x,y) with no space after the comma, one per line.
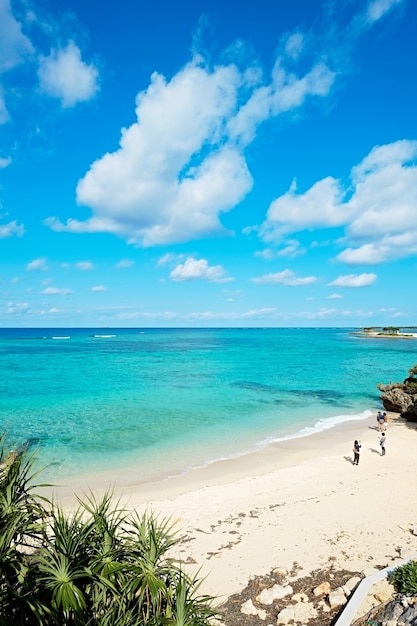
(161,401)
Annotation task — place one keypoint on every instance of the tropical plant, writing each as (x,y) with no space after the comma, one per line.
(98,566)
(22,529)
(404,578)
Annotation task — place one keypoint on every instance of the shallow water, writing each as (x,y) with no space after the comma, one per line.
(167,400)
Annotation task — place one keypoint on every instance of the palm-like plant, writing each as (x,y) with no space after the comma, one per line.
(98,566)
(22,528)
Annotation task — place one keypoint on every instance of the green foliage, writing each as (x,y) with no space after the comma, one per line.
(413,371)
(410,388)
(99,566)
(404,578)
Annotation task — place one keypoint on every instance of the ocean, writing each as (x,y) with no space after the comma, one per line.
(160,402)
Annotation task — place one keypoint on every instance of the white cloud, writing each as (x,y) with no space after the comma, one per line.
(168,258)
(52,291)
(354,280)
(181,164)
(251,314)
(335,296)
(291,249)
(378,8)
(286,277)
(18,308)
(124,263)
(154,182)
(199,270)
(15,47)
(294,45)
(4,161)
(286,92)
(377,210)
(84,265)
(98,288)
(64,75)
(38,264)
(11,229)
(320,206)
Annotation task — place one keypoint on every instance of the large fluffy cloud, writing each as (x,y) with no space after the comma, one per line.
(378,210)
(182,164)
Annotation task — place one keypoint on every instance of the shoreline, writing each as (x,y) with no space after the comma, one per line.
(272,454)
(295,501)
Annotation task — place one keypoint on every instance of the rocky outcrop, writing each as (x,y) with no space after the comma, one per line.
(395,399)
(410,413)
(401,398)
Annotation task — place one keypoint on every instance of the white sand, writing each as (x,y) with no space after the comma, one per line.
(298,501)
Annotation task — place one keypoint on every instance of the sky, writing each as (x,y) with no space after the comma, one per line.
(207,163)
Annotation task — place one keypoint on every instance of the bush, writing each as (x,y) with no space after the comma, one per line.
(413,371)
(404,578)
(101,565)
(410,388)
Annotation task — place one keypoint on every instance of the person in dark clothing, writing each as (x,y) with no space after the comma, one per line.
(356,451)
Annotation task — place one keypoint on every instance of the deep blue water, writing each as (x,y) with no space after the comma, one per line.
(94,399)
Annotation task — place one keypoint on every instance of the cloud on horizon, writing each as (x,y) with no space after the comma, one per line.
(286,277)
(52,291)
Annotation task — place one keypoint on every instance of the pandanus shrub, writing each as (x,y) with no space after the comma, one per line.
(98,565)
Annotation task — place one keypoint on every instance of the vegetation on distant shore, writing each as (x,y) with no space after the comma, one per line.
(96,566)
(389,332)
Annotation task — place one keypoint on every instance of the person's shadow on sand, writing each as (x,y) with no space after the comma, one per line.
(378,452)
(349,459)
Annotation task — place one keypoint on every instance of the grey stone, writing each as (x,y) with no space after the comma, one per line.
(392,611)
(410,615)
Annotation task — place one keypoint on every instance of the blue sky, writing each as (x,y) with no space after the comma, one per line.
(208,163)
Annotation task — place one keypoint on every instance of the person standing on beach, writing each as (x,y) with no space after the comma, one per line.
(356,451)
(381,442)
(385,422)
(380,420)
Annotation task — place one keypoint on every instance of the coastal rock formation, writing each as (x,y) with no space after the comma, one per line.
(394,398)
(401,397)
(410,413)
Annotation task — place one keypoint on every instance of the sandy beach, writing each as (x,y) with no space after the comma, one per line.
(299,501)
